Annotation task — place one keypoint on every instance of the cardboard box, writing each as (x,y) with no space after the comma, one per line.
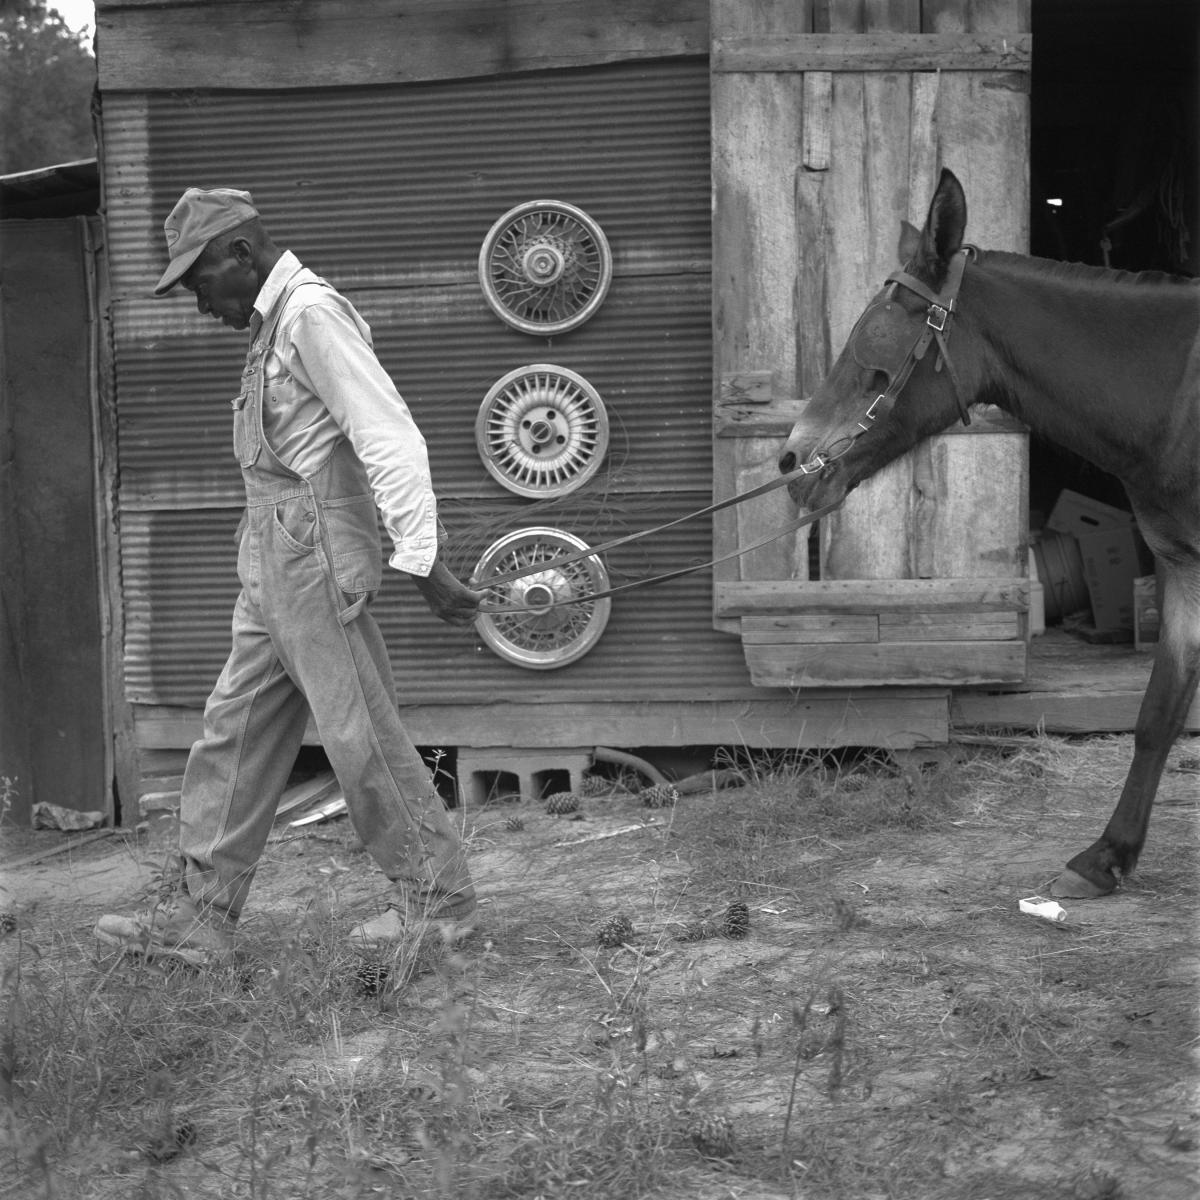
(1078,515)
(1147,611)
(1112,560)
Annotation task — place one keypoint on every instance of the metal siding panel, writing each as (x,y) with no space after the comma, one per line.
(389,193)
(646,351)
(392,185)
(180,574)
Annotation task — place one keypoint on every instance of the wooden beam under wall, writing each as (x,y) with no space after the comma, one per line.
(174,45)
(1066,711)
(891,717)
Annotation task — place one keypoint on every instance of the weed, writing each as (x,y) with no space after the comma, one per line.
(838,1026)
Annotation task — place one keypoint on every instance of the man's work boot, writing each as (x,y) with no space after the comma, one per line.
(401,921)
(174,929)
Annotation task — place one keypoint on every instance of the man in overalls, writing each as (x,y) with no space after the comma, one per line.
(322,438)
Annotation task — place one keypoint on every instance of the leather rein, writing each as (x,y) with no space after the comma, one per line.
(938,316)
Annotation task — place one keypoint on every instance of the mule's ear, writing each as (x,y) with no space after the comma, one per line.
(944,226)
(947,220)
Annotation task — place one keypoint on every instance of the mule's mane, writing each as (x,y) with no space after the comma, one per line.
(1083,273)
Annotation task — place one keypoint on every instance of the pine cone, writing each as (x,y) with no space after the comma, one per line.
(514,824)
(170,1142)
(371,977)
(712,1134)
(561,803)
(735,923)
(661,795)
(614,932)
(595,785)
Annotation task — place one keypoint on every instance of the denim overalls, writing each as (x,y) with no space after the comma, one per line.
(310,563)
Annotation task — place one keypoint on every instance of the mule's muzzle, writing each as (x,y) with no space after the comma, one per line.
(808,475)
(787,464)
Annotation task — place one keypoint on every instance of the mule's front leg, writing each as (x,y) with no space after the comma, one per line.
(1097,870)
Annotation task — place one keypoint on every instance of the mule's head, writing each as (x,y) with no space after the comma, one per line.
(869,409)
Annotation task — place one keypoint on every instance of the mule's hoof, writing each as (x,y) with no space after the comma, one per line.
(1070,885)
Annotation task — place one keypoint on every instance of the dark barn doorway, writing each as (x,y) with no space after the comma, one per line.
(1114,164)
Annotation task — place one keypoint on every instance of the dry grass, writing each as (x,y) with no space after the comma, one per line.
(892,1026)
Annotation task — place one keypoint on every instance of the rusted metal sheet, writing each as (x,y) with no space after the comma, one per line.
(389,193)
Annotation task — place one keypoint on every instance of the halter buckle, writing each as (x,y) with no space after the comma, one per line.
(937,316)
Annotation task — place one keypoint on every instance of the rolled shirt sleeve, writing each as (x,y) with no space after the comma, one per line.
(333,358)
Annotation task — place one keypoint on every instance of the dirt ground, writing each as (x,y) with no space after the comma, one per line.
(893,1025)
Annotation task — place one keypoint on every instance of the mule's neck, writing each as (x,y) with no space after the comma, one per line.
(1100,362)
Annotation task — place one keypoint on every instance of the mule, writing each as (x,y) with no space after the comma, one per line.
(1102,362)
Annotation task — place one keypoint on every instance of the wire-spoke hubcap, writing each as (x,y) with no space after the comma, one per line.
(545,267)
(539,635)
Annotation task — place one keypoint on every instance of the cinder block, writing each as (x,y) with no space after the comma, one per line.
(529,769)
(155,804)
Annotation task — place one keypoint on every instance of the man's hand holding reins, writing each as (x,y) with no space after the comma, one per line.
(448,598)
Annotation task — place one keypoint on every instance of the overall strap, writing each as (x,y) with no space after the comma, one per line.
(266,335)
(262,345)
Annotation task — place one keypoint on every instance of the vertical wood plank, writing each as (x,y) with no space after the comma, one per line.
(786,557)
(817,106)
(125,774)
(982,119)
(926,508)
(869,537)
(725,530)
(813,357)
(923,162)
(978,520)
(975,495)
(757,144)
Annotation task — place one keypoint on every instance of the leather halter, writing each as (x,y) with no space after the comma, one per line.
(938,316)
(937,322)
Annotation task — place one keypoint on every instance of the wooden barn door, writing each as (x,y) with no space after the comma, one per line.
(831,121)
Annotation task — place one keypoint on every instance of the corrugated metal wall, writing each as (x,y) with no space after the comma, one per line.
(389,192)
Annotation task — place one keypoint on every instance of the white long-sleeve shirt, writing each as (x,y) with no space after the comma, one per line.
(321,380)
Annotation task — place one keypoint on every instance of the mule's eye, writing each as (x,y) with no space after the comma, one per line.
(874,380)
